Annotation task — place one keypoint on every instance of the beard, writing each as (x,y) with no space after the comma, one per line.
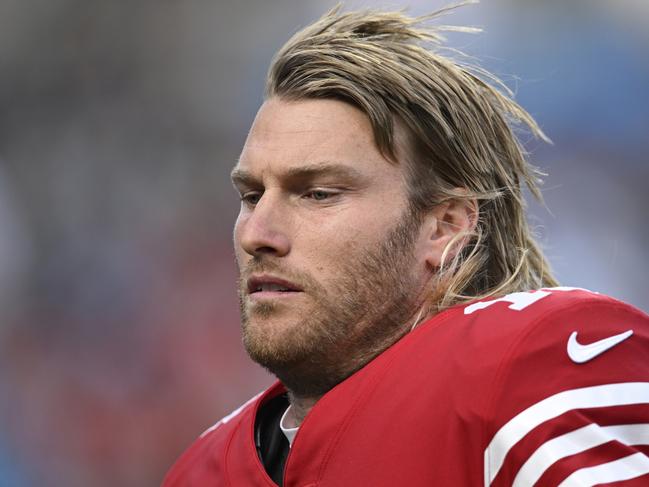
(349,320)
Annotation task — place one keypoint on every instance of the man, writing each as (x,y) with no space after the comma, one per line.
(391,283)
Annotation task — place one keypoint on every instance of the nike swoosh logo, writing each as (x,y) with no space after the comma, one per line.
(583,353)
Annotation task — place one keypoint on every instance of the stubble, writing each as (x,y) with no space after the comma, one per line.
(347,321)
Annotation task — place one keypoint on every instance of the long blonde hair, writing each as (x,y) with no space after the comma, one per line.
(459,122)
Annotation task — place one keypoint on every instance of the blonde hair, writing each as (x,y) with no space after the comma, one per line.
(459,122)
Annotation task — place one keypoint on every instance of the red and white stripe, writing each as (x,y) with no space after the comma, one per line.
(574,442)
(231,416)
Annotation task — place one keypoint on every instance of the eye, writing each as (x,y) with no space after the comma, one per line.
(318,195)
(251,198)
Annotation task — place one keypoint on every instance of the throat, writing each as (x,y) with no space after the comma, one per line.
(299,408)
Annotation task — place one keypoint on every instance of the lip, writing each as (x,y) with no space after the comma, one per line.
(257,280)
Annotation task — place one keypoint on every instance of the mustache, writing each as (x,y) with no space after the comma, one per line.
(256,266)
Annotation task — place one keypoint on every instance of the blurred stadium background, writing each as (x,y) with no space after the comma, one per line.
(119,123)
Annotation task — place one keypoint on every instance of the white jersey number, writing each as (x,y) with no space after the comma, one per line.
(519,301)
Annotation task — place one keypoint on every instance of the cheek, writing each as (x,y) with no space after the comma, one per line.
(330,253)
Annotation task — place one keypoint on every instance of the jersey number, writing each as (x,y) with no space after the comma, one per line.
(519,301)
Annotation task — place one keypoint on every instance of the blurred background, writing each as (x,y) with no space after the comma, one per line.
(119,124)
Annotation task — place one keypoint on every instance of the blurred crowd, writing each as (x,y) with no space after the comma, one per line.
(119,124)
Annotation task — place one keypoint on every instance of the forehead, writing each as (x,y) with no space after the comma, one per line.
(289,134)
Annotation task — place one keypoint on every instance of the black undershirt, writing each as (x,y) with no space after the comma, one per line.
(272,445)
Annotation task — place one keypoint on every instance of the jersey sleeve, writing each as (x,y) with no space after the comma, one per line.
(570,401)
(200,464)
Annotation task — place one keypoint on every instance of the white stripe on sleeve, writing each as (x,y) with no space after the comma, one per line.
(231,415)
(623,469)
(575,442)
(587,397)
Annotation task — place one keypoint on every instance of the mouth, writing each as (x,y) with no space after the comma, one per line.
(266,286)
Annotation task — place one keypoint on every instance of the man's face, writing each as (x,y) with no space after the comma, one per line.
(328,252)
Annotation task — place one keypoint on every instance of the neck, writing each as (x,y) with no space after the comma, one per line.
(300,407)
(301,404)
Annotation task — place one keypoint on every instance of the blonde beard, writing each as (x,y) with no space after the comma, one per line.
(346,323)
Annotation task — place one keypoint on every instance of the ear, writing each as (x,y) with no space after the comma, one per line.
(448,227)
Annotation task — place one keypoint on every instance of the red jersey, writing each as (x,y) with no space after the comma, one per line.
(545,388)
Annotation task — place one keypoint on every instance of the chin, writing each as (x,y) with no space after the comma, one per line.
(280,337)
(272,337)
(271,348)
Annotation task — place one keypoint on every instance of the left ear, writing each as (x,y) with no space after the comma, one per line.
(448,227)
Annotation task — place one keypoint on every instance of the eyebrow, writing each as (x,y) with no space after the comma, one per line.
(305,172)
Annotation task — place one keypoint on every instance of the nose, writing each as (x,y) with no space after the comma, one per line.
(263,229)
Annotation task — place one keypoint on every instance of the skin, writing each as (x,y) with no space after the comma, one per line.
(326,216)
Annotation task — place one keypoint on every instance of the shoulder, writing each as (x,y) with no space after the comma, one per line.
(570,393)
(552,322)
(586,336)
(497,336)
(199,464)
(539,304)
